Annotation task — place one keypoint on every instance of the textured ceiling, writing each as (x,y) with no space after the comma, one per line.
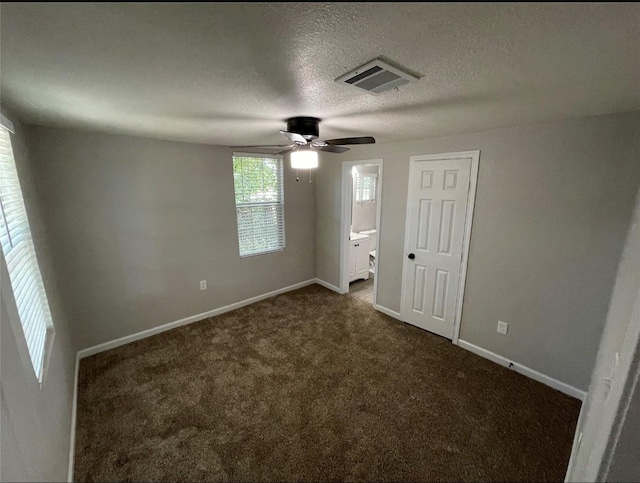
(231,73)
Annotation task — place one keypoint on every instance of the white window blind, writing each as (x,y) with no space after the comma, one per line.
(365,187)
(19,253)
(259,203)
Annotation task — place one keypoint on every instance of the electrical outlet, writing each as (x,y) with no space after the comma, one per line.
(502,327)
(203,285)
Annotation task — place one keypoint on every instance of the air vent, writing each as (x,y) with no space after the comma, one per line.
(376,76)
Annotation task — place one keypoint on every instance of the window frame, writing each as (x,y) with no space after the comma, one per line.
(280,160)
(8,291)
(358,180)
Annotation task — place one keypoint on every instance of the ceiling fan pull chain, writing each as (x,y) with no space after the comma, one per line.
(297,177)
(309,176)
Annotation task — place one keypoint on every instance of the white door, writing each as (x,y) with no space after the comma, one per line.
(437,204)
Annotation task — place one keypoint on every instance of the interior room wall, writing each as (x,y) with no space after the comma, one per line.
(624,458)
(604,454)
(363,215)
(136,223)
(36,420)
(552,207)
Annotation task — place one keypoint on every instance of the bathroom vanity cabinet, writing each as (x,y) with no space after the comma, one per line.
(358,259)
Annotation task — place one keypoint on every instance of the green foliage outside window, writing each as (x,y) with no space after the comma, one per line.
(259,204)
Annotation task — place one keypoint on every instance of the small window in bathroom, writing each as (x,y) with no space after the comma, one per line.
(365,187)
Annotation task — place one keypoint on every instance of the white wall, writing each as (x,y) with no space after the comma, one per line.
(136,223)
(36,421)
(552,207)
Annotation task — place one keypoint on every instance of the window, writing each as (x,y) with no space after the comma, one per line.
(20,255)
(259,203)
(365,187)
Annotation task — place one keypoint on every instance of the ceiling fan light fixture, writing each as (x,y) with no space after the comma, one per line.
(304,159)
(303,135)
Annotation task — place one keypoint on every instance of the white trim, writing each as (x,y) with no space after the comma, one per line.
(524,370)
(74,408)
(345,228)
(327,285)
(577,440)
(405,248)
(605,416)
(6,123)
(376,276)
(187,320)
(471,199)
(471,202)
(277,204)
(156,330)
(256,155)
(386,311)
(624,388)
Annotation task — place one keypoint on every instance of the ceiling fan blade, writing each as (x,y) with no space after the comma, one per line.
(343,141)
(332,149)
(262,146)
(284,151)
(295,137)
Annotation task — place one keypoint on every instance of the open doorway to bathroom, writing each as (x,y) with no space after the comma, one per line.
(362,191)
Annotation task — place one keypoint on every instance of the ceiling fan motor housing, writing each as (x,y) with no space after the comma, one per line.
(306,126)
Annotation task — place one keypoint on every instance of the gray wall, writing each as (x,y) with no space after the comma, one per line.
(35,422)
(363,215)
(136,223)
(552,207)
(601,455)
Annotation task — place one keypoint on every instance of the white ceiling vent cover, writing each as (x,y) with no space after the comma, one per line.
(376,76)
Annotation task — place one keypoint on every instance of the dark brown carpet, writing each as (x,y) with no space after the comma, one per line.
(313,386)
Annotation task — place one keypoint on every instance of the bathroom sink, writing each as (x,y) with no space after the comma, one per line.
(358,236)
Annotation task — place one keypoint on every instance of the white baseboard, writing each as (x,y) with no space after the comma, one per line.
(328,285)
(577,437)
(524,370)
(389,312)
(156,330)
(561,386)
(74,406)
(188,320)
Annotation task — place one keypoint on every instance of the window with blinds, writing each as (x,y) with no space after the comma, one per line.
(365,187)
(19,253)
(258,184)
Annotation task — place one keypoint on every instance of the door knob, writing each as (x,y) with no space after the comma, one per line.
(411,256)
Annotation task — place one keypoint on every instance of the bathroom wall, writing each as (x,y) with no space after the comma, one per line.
(363,215)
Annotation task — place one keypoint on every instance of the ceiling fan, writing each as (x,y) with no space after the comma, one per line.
(303,132)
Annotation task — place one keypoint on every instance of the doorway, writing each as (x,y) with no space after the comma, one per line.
(440,203)
(360,228)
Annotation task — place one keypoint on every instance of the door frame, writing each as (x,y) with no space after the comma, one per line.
(473,182)
(345,227)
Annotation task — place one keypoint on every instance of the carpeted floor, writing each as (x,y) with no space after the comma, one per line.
(313,386)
